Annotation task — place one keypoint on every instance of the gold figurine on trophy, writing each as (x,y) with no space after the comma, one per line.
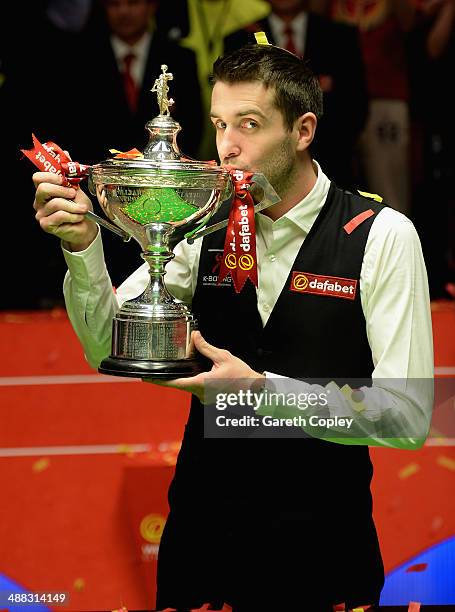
(162,89)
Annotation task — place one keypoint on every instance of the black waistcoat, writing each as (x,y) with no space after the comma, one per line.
(288,486)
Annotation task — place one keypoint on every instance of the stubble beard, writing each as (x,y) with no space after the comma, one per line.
(281,169)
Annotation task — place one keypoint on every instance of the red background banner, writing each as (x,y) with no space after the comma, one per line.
(85,466)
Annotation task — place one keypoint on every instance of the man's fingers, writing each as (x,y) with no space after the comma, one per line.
(58,204)
(59,220)
(192,384)
(214,353)
(46,177)
(49,191)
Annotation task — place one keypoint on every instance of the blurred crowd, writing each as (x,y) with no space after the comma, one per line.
(79,73)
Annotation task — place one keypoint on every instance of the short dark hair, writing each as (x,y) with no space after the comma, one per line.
(297,89)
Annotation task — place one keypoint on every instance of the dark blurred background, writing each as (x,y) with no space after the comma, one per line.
(78,73)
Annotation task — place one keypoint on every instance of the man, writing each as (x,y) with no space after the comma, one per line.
(385,143)
(334,54)
(123,57)
(281,523)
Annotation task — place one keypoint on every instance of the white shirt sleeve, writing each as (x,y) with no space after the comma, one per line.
(90,300)
(396,305)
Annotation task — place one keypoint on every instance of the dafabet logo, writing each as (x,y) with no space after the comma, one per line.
(334,286)
(245,262)
(152,527)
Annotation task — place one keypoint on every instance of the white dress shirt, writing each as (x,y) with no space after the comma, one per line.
(299,28)
(394,298)
(139,50)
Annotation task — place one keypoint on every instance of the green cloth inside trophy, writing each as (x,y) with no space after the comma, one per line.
(160,205)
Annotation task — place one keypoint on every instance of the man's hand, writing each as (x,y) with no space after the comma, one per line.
(60,211)
(225,366)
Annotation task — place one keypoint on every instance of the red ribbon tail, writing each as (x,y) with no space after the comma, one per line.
(49,157)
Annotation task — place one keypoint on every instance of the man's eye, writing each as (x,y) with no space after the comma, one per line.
(220,125)
(249,124)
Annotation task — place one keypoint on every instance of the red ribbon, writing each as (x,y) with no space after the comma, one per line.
(49,157)
(239,256)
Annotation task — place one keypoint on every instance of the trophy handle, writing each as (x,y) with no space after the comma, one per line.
(94,217)
(110,226)
(269,198)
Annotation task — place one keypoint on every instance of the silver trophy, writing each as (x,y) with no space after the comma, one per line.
(150,197)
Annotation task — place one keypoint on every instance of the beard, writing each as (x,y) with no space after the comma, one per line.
(280,168)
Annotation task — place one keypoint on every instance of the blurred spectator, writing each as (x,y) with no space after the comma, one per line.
(433,53)
(69,15)
(333,52)
(202,25)
(385,143)
(90,115)
(122,53)
(122,57)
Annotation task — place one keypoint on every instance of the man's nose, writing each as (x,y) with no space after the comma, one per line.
(228,146)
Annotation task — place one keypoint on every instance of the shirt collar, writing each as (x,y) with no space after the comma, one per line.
(304,213)
(299,26)
(139,49)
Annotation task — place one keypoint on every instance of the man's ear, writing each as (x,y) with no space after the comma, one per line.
(305,128)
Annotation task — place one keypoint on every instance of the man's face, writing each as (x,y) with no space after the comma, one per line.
(250,132)
(129,19)
(287,6)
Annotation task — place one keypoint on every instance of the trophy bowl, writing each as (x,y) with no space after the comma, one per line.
(155,195)
(143,197)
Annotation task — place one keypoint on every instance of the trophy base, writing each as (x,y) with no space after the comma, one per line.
(164,370)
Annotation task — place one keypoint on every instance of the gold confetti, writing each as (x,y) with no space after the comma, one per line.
(446,462)
(79,584)
(371,196)
(408,470)
(169,458)
(41,465)
(124,448)
(261,38)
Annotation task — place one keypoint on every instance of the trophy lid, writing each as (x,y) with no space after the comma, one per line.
(161,163)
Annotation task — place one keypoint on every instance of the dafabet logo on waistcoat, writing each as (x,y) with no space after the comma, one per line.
(334,286)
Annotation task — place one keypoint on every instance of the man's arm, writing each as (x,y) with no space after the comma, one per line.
(88,291)
(396,410)
(90,300)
